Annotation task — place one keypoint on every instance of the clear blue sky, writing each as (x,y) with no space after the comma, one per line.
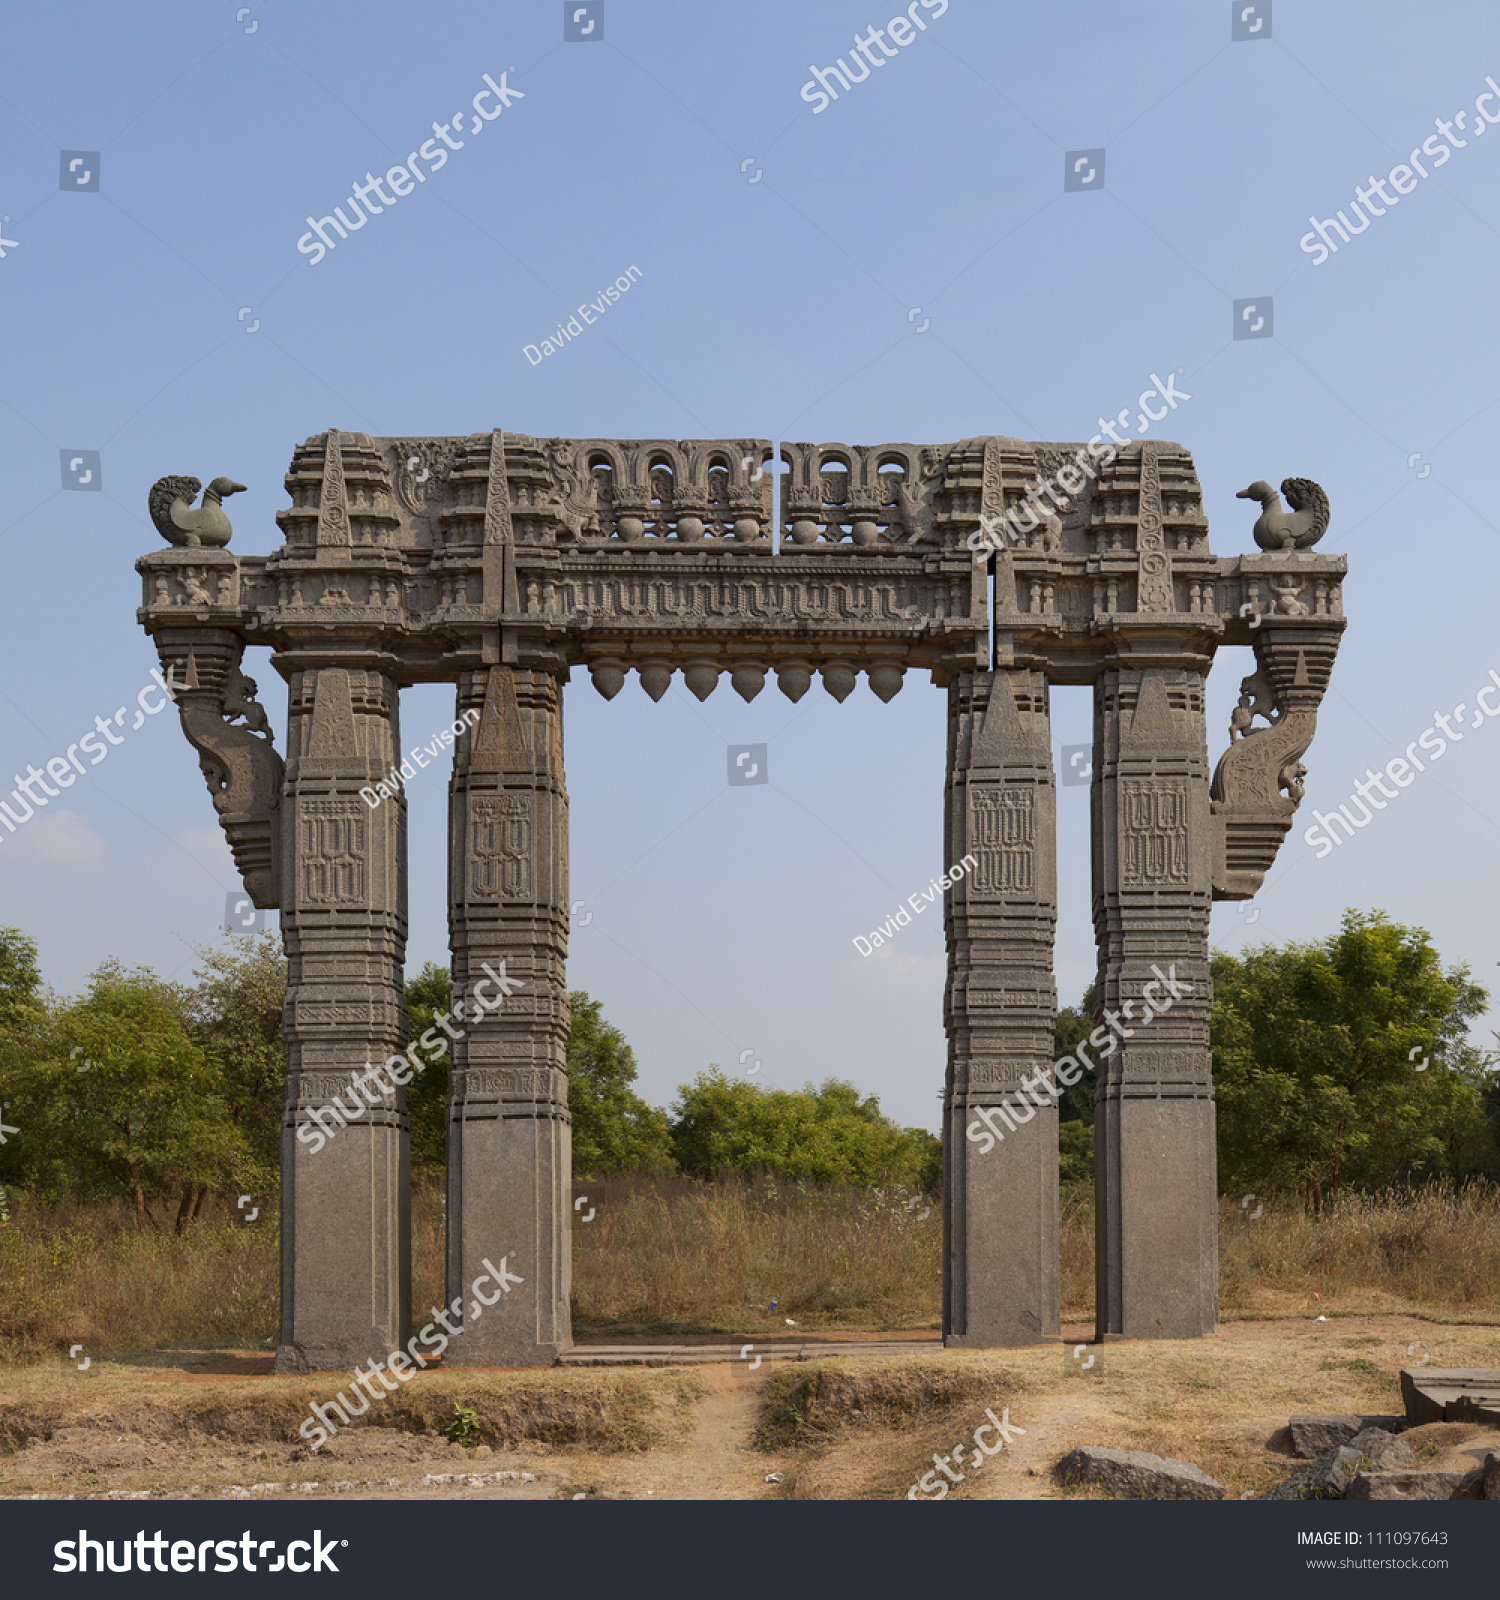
(723,919)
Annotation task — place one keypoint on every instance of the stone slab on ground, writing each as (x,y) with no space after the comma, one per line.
(1324,1479)
(1136,1475)
(1405,1485)
(672,1355)
(1460,1394)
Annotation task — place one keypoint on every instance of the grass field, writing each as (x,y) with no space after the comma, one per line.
(680,1255)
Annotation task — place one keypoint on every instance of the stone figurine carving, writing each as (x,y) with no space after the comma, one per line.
(178,523)
(1297,529)
(240,702)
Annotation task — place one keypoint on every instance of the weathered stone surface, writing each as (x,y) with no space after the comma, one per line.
(1001,915)
(1492,1476)
(1459,1394)
(499,562)
(1324,1479)
(1136,1475)
(1156,1251)
(1309,1435)
(1384,1450)
(1313,1436)
(1409,1485)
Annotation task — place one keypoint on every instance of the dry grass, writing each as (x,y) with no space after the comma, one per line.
(1219,1403)
(72,1274)
(679,1254)
(676,1255)
(1434,1248)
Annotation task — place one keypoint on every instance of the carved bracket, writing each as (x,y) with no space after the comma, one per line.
(1257,785)
(242,770)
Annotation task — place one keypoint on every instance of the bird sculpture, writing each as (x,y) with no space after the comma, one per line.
(179,523)
(1297,529)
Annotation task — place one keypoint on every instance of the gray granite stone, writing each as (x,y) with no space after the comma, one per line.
(1410,1485)
(1136,1475)
(1314,1435)
(1327,1478)
(1384,1450)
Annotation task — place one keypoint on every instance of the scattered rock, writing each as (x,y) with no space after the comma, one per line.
(1311,1436)
(1405,1485)
(1136,1475)
(1324,1479)
(1385,1451)
(1314,1436)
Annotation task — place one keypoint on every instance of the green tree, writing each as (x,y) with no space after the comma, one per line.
(828,1134)
(428,997)
(614,1130)
(21,1004)
(234,1014)
(1075,1108)
(124,1100)
(1313,1049)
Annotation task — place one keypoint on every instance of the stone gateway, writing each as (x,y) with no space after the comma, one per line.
(500,562)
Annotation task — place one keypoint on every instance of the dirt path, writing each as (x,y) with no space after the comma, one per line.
(714,1462)
(1216,1402)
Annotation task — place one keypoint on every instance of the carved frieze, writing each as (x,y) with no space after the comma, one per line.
(1002,837)
(502,847)
(1154,833)
(332,852)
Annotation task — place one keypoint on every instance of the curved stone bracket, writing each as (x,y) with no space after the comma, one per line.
(1257,785)
(242,769)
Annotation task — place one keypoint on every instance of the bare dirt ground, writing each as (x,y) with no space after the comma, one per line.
(215,1426)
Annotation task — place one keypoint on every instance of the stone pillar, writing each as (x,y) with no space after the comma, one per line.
(1000,1244)
(510,1148)
(345,1218)
(1155,1184)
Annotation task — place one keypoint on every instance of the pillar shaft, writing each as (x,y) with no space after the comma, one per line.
(1155,1185)
(509,1136)
(345,1218)
(1000,1224)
